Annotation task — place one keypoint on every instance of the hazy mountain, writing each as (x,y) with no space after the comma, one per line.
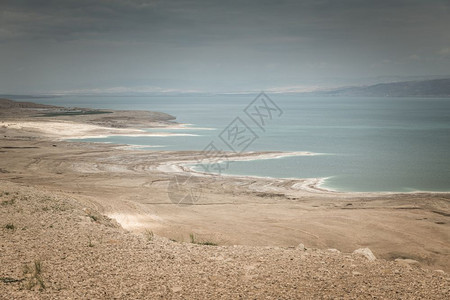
(414,88)
(435,88)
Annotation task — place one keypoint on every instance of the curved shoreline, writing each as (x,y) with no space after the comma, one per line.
(312,184)
(63,130)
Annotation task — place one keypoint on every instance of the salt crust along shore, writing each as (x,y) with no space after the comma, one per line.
(66,130)
(74,130)
(69,130)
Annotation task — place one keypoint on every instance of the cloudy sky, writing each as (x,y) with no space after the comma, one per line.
(49,46)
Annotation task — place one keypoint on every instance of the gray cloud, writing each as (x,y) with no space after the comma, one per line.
(217,45)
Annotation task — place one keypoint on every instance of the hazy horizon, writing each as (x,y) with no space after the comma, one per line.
(120,46)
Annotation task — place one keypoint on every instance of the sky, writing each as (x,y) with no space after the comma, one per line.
(137,46)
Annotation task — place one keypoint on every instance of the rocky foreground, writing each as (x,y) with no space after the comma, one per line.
(54,245)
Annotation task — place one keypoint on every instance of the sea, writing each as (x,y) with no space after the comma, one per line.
(363,144)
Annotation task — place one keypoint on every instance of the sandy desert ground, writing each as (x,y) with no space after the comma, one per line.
(103,222)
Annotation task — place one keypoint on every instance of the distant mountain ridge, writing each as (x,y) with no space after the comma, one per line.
(10,104)
(434,88)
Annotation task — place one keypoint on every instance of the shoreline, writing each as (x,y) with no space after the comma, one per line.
(77,131)
(313,184)
(68,130)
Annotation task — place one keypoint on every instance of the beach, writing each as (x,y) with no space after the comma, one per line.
(131,189)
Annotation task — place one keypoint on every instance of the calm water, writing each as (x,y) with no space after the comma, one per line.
(368,144)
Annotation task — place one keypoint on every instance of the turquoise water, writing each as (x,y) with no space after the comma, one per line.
(368,144)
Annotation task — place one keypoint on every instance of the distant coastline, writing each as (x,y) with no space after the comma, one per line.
(435,87)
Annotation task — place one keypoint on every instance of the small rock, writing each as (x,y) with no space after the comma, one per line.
(366,252)
(301,247)
(356,273)
(333,250)
(440,271)
(176,289)
(407,262)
